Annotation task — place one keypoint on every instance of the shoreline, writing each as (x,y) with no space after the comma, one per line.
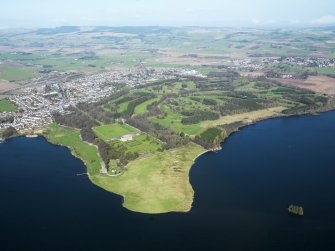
(195,158)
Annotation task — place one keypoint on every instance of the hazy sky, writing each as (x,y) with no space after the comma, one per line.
(45,13)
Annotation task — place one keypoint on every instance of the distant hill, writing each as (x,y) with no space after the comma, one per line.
(57,30)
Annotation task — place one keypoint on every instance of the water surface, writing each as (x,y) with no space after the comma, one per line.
(242,193)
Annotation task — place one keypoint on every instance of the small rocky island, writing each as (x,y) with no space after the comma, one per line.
(296,210)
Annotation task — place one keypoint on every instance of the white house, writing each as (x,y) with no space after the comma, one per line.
(125,138)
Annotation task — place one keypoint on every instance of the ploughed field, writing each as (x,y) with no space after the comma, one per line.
(141,143)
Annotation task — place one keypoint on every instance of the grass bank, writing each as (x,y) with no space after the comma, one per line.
(158,183)
(70,138)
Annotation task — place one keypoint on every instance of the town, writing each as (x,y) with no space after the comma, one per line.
(37,104)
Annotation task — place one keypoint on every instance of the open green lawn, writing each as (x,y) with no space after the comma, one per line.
(188,104)
(156,184)
(177,126)
(142,144)
(173,121)
(70,138)
(107,132)
(122,107)
(7,106)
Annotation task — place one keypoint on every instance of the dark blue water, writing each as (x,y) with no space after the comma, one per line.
(241,196)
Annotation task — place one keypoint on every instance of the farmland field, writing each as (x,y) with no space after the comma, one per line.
(7,106)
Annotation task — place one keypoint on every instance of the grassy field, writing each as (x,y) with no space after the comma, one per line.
(7,106)
(142,144)
(173,120)
(70,138)
(123,107)
(156,184)
(17,74)
(244,117)
(177,126)
(107,132)
(142,108)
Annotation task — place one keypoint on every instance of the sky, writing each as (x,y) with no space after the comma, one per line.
(219,13)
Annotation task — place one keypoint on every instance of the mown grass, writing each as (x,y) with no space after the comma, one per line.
(173,121)
(123,107)
(156,184)
(70,138)
(107,132)
(7,106)
(142,108)
(143,144)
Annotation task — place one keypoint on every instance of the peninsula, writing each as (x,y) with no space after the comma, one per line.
(139,117)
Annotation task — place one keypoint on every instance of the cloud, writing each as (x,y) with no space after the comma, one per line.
(257,21)
(325,20)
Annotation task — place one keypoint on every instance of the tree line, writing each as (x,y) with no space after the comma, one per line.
(166,135)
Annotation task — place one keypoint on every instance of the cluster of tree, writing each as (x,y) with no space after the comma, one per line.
(154,110)
(228,74)
(197,99)
(114,96)
(197,116)
(76,119)
(273,74)
(106,151)
(311,104)
(226,85)
(211,138)
(288,91)
(205,101)
(241,95)
(305,97)
(283,71)
(263,85)
(7,119)
(309,101)
(124,99)
(166,135)
(132,105)
(9,132)
(97,112)
(115,151)
(312,100)
(237,105)
(208,101)
(299,110)
(232,127)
